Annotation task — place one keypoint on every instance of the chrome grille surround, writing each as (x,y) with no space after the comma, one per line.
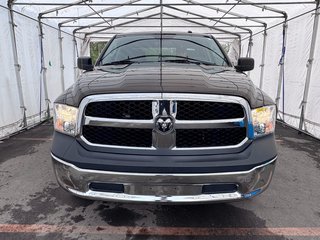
(164,141)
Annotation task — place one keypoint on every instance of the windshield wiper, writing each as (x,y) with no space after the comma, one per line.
(124,61)
(128,60)
(182,59)
(178,59)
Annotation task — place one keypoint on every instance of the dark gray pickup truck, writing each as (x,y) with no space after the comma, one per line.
(164,117)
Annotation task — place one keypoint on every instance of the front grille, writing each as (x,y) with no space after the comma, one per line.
(197,121)
(120,109)
(201,110)
(190,138)
(131,137)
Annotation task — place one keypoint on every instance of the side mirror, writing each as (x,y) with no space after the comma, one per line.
(85,63)
(245,64)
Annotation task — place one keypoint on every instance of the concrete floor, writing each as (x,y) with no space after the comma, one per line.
(32,204)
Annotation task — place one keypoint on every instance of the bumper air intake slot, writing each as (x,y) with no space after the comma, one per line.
(106,187)
(219,188)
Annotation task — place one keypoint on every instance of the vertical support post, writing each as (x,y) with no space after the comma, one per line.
(250,44)
(263,57)
(75,57)
(85,45)
(17,66)
(161,16)
(161,29)
(43,69)
(61,58)
(240,46)
(309,66)
(281,63)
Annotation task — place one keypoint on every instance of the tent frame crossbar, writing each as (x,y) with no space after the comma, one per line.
(84,16)
(77,3)
(147,17)
(208,18)
(262,4)
(212,18)
(156,26)
(97,24)
(208,26)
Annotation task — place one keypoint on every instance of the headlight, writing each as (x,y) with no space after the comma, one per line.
(264,120)
(65,119)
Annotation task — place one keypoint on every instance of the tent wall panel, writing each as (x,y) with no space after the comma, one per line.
(68,60)
(27,37)
(10,114)
(273,54)
(52,62)
(29,55)
(297,53)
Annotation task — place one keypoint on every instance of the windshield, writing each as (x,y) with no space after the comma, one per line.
(172,48)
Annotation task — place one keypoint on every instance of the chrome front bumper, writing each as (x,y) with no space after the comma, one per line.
(162,188)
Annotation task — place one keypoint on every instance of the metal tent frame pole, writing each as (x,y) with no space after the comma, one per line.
(43,69)
(56,9)
(114,26)
(250,44)
(17,66)
(149,16)
(204,25)
(309,66)
(263,57)
(265,7)
(101,22)
(236,15)
(281,74)
(281,62)
(173,4)
(75,67)
(127,18)
(118,26)
(212,18)
(100,11)
(208,18)
(60,38)
(217,21)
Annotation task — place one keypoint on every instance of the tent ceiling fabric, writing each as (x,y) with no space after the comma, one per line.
(96,15)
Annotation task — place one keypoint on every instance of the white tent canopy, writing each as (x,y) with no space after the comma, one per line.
(280,34)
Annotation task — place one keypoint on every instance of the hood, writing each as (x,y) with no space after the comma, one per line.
(176,78)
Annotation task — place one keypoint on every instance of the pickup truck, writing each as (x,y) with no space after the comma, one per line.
(164,117)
